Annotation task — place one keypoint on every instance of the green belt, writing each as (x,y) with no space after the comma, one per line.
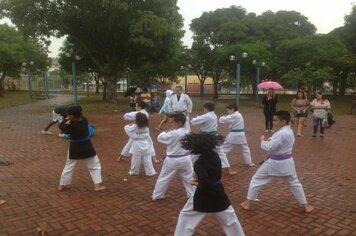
(213,133)
(237,130)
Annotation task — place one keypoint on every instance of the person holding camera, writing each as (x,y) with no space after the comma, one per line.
(300,106)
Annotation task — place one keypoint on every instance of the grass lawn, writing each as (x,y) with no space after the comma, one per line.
(14,98)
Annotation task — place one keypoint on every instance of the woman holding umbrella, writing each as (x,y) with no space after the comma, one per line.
(269,102)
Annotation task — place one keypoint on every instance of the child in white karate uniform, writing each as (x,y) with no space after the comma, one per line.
(131,116)
(279,163)
(236,136)
(140,149)
(209,124)
(177,161)
(209,196)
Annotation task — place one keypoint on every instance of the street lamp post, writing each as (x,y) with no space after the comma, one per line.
(27,68)
(74,78)
(257,76)
(238,79)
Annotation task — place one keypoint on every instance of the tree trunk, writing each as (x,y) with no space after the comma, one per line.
(342,84)
(97,86)
(2,84)
(202,88)
(104,90)
(111,88)
(335,85)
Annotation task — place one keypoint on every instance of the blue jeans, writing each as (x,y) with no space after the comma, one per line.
(318,122)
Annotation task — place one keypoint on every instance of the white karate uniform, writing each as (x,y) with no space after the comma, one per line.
(173,165)
(189,219)
(93,165)
(209,123)
(236,122)
(184,104)
(131,116)
(140,149)
(281,142)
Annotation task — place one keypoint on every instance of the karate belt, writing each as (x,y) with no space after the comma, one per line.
(213,133)
(139,139)
(279,157)
(181,155)
(217,182)
(237,130)
(80,139)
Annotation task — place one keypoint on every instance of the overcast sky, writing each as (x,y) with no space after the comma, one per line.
(324,14)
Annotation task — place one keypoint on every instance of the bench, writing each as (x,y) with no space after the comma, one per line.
(39,95)
(353,105)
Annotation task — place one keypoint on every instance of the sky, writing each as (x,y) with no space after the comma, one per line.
(326,15)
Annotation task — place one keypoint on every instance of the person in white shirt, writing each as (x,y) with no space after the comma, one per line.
(177,161)
(181,103)
(209,124)
(236,136)
(279,163)
(140,149)
(320,108)
(131,116)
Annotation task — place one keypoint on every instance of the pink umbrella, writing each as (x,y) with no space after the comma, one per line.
(269,84)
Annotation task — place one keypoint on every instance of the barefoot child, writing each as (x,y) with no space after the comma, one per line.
(279,163)
(140,149)
(80,148)
(131,116)
(209,124)
(236,136)
(178,160)
(209,196)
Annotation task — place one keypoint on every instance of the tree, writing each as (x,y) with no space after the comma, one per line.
(15,50)
(114,34)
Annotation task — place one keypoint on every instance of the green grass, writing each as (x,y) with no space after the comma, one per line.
(14,98)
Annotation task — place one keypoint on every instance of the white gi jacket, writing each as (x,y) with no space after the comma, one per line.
(142,142)
(208,122)
(172,140)
(184,104)
(132,115)
(281,142)
(236,122)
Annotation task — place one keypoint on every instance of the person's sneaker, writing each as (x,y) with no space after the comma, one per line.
(266,131)
(61,135)
(46,132)
(272,131)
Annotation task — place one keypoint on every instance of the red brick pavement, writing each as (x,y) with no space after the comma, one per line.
(326,167)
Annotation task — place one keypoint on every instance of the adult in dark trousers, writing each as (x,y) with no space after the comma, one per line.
(269,102)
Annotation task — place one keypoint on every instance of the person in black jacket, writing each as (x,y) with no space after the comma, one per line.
(209,196)
(269,102)
(80,148)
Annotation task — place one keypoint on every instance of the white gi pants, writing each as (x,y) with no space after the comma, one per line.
(126,150)
(146,160)
(223,158)
(189,219)
(172,166)
(187,124)
(245,150)
(93,165)
(261,178)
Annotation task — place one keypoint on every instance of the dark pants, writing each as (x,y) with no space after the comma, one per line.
(318,122)
(268,119)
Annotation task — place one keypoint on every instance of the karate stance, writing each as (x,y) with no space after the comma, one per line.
(164,109)
(236,136)
(181,103)
(131,116)
(140,149)
(209,196)
(279,163)
(177,161)
(80,148)
(209,124)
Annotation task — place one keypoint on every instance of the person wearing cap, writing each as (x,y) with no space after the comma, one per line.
(80,148)
(181,103)
(58,116)
(177,161)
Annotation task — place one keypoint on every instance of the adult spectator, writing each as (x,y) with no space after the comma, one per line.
(146,97)
(321,107)
(181,103)
(269,102)
(300,107)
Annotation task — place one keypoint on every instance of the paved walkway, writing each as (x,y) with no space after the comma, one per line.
(326,167)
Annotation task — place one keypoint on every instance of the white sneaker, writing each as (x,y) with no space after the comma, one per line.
(46,132)
(61,135)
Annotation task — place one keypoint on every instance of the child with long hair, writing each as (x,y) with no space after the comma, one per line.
(209,196)
(140,149)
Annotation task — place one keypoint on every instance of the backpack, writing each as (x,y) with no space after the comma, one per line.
(331,119)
